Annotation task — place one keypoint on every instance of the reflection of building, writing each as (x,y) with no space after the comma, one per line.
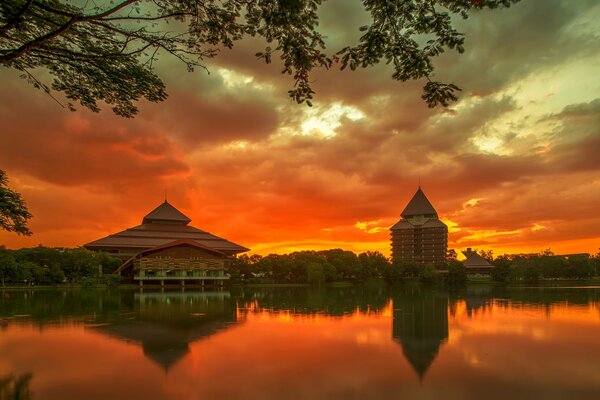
(166,323)
(475,263)
(420,236)
(165,248)
(420,325)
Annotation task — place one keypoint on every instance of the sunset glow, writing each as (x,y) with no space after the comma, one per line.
(513,166)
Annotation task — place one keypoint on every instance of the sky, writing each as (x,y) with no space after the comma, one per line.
(513,166)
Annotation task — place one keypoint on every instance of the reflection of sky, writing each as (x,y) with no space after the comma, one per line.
(496,351)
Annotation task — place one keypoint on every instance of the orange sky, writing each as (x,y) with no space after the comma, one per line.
(513,166)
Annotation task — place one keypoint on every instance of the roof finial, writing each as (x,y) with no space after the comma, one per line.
(165,195)
(419,181)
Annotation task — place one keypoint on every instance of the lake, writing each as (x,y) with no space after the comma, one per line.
(407,342)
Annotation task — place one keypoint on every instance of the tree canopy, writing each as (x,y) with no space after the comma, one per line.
(106,50)
(13,211)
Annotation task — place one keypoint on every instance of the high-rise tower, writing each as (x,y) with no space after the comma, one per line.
(419,236)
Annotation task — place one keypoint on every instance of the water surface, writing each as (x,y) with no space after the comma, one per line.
(301,343)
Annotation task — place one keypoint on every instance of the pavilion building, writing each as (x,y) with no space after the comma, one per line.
(164,248)
(475,263)
(419,236)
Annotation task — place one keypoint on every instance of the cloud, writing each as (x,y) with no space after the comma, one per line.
(234,153)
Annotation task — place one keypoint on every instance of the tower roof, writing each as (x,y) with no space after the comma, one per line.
(418,205)
(166,213)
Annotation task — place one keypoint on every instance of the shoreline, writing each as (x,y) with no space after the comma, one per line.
(548,283)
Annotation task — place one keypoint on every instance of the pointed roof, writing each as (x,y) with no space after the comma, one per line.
(166,213)
(474,260)
(418,205)
(420,353)
(162,226)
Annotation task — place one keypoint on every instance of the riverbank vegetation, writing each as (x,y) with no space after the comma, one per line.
(50,266)
(328,266)
(533,268)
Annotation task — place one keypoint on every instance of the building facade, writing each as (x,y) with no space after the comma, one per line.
(164,248)
(419,236)
(476,264)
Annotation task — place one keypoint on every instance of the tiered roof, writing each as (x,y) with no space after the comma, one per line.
(163,225)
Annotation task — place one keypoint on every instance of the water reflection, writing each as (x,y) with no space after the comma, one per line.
(420,325)
(302,343)
(165,323)
(15,387)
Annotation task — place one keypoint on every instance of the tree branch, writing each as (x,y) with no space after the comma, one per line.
(16,18)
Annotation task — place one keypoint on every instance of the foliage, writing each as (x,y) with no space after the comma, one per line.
(526,271)
(501,270)
(428,275)
(8,265)
(315,274)
(105,51)
(408,269)
(373,264)
(451,255)
(487,254)
(48,266)
(13,210)
(111,280)
(457,274)
(315,267)
(545,265)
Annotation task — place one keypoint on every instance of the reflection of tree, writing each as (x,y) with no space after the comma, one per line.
(420,325)
(478,298)
(15,388)
(327,301)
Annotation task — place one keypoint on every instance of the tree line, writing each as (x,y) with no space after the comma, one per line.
(532,268)
(47,266)
(326,266)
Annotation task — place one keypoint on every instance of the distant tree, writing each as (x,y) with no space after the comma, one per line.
(315,274)
(457,274)
(408,269)
(109,263)
(428,275)
(105,51)
(8,266)
(346,263)
(501,270)
(525,270)
(579,267)
(373,264)
(79,263)
(487,254)
(451,254)
(13,210)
